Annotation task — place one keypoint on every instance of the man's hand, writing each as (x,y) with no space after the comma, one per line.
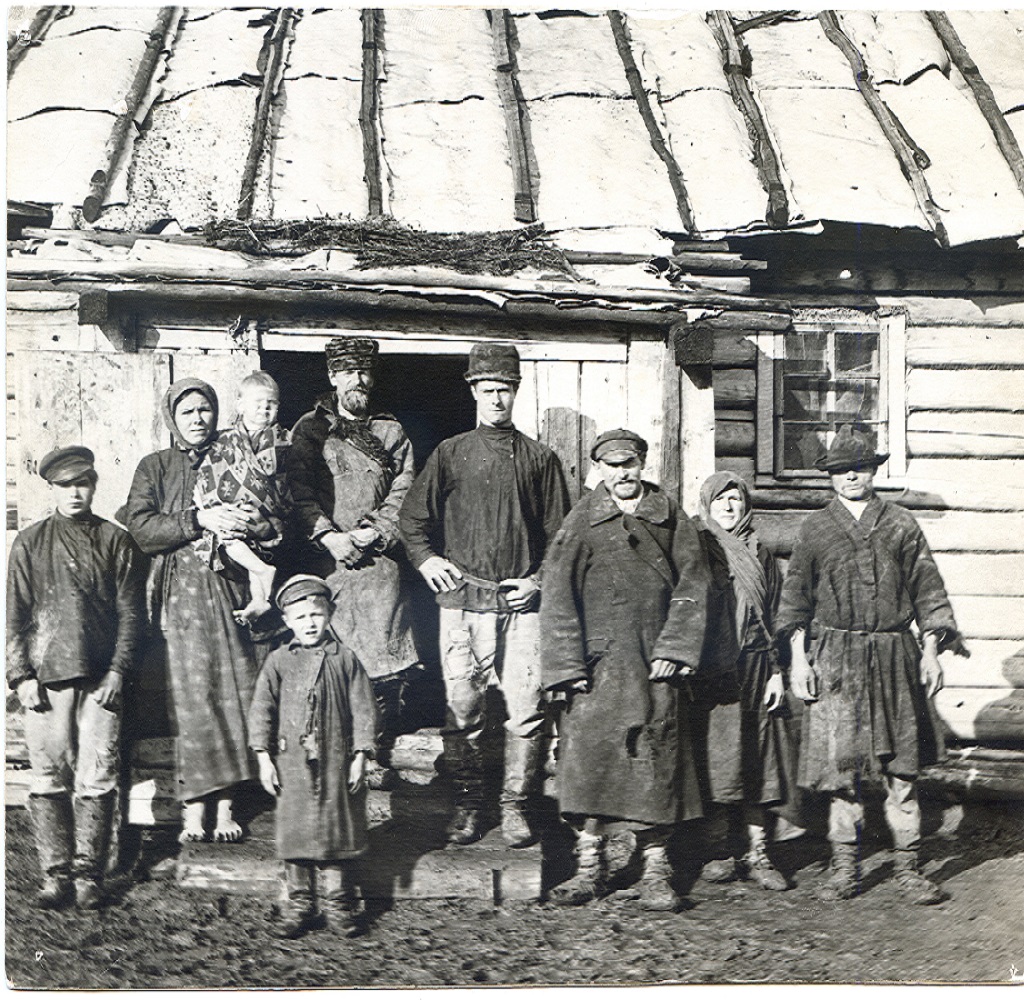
(340,545)
(442,576)
(774,692)
(227,521)
(930,668)
(662,670)
(521,595)
(268,773)
(803,679)
(108,691)
(32,695)
(357,772)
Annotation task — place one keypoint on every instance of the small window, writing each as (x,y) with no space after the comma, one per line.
(832,367)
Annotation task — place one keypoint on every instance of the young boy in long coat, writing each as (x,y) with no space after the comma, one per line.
(626,595)
(860,576)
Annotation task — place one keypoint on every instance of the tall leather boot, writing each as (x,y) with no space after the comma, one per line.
(299,912)
(464,764)
(656,891)
(912,884)
(93,819)
(589,881)
(844,880)
(730,868)
(522,761)
(52,826)
(340,899)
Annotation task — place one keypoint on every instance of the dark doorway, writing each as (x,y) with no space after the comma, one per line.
(429,397)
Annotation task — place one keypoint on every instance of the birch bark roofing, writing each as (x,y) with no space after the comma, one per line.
(913,160)
(958,53)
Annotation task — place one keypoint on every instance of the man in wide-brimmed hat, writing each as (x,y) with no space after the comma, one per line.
(74,620)
(476,524)
(860,576)
(350,472)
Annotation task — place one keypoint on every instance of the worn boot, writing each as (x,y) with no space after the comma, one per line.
(758,866)
(589,881)
(340,900)
(522,760)
(655,885)
(299,911)
(464,766)
(844,880)
(912,884)
(52,823)
(731,868)
(93,820)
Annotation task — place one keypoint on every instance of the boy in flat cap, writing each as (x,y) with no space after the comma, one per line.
(74,618)
(476,524)
(627,592)
(349,473)
(860,577)
(312,725)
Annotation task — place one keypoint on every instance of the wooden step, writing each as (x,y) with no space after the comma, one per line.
(407,859)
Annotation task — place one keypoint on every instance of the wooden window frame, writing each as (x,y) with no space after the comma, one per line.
(891,325)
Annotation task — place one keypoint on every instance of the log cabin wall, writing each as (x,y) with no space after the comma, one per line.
(964,425)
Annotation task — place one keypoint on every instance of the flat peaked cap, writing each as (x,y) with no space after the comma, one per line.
(499,362)
(301,586)
(618,445)
(65,465)
(351,353)
(852,448)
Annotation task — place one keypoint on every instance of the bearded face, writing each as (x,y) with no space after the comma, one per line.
(353,389)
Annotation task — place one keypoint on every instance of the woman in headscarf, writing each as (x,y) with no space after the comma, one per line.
(748,743)
(211,663)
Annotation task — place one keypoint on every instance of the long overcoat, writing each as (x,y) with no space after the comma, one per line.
(312,707)
(619,591)
(347,474)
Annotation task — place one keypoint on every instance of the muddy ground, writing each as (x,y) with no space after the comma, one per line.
(157,934)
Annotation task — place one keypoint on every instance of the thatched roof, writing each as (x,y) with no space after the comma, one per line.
(468,120)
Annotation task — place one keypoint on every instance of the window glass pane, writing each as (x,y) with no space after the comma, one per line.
(856,401)
(856,353)
(803,444)
(805,399)
(806,352)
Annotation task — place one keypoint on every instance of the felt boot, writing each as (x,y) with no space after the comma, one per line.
(758,865)
(93,820)
(844,880)
(522,760)
(52,823)
(655,885)
(340,901)
(589,881)
(911,883)
(464,765)
(299,911)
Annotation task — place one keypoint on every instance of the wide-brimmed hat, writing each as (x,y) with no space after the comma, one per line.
(852,448)
(301,586)
(352,354)
(65,465)
(497,362)
(619,445)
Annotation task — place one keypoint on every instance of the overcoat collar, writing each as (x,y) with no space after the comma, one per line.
(653,507)
(857,530)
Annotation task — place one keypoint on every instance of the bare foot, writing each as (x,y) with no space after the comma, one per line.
(227,831)
(192,831)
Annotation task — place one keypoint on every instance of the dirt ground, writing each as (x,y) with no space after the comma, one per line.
(157,934)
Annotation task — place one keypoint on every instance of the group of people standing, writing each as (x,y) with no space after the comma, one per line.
(656,645)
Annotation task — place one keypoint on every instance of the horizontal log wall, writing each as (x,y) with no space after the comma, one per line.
(965,484)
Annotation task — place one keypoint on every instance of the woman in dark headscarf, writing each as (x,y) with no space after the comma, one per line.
(747,740)
(211,663)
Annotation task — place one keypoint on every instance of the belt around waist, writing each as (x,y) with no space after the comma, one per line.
(853,631)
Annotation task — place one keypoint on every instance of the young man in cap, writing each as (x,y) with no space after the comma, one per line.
(860,576)
(74,618)
(476,524)
(350,472)
(626,598)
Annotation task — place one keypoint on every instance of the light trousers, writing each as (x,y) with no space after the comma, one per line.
(902,813)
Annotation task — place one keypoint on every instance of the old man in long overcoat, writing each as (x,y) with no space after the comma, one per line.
(626,595)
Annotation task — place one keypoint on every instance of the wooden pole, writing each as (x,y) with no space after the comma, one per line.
(19,44)
(273,60)
(166,22)
(524,163)
(957,51)
(643,102)
(369,109)
(912,159)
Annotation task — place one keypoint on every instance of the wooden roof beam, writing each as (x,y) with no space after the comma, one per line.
(736,62)
(912,159)
(369,109)
(961,58)
(525,173)
(166,24)
(20,43)
(643,101)
(272,58)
